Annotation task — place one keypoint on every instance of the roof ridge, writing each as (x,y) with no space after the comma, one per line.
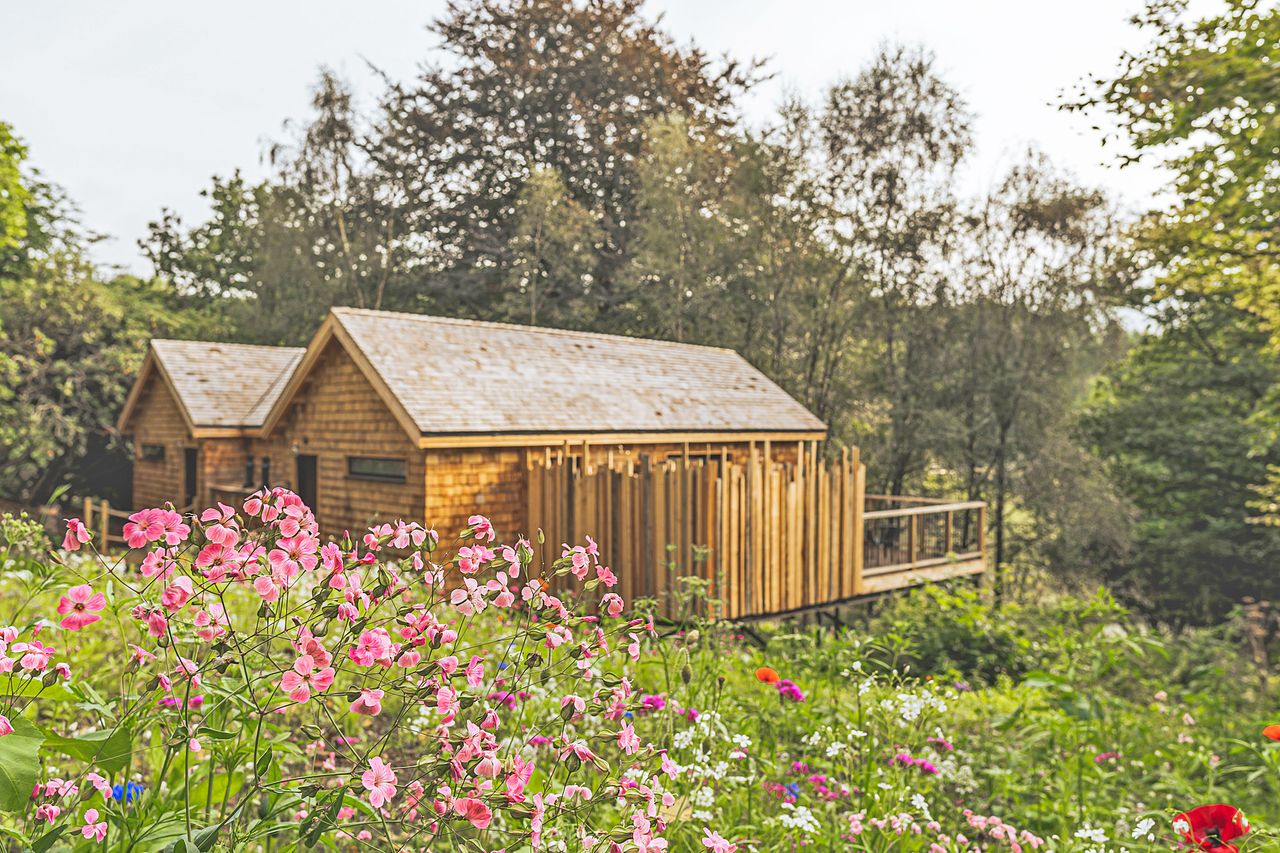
(227,344)
(550,330)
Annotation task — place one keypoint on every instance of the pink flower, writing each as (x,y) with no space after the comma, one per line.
(305,677)
(35,655)
(469,598)
(177,594)
(380,781)
(266,588)
(473,810)
(6,727)
(100,784)
(368,702)
(93,828)
(715,843)
(475,671)
(79,606)
(76,536)
(612,604)
(481,528)
(628,740)
(372,647)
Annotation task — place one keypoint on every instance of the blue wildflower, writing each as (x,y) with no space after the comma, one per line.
(126,793)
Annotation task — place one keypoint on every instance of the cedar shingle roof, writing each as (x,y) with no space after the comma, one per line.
(226,385)
(464,376)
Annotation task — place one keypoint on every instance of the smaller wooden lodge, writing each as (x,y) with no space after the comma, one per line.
(661,450)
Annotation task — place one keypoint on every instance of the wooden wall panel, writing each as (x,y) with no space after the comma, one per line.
(488,481)
(158,421)
(338,414)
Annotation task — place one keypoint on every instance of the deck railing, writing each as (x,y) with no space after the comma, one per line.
(912,537)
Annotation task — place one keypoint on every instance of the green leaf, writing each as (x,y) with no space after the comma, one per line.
(47,840)
(110,749)
(19,764)
(26,688)
(263,764)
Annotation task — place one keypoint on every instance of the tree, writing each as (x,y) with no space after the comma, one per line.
(552,256)
(1175,424)
(1202,99)
(533,84)
(1041,262)
(69,345)
(892,139)
(274,256)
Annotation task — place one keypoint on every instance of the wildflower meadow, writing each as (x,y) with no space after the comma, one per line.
(240,682)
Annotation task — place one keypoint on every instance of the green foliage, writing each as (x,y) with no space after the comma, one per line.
(13,192)
(1201,99)
(952,634)
(19,764)
(70,342)
(1177,424)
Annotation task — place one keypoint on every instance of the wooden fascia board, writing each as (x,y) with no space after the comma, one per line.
(219,432)
(135,392)
(318,342)
(156,366)
(608,438)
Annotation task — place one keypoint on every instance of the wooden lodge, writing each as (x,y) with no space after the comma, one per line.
(677,459)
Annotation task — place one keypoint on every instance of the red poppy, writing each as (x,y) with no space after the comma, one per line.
(1211,827)
(1272,731)
(767,674)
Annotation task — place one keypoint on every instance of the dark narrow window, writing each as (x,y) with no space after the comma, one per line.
(190,469)
(152,453)
(248,473)
(266,470)
(372,468)
(306,482)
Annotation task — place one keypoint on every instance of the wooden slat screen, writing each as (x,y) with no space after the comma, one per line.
(768,536)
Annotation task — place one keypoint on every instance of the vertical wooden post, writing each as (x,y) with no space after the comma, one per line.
(946,534)
(86,515)
(982,531)
(913,538)
(859,501)
(105,525)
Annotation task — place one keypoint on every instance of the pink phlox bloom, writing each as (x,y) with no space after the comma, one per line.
(481,528)
(714,842)
(100,784)
(475,671)
(79,606)
(469,598)
(306,677)
(34,655)
(373,646)
(177,594)
(471,558)
(77,535)
(220,514)
(628,740)
(380,781)
(369,702)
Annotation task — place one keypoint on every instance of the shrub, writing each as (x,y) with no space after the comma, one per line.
(249,681)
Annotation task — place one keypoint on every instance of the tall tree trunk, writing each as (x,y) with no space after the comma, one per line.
(1001,483)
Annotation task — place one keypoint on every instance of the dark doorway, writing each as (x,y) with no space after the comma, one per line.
(306,480)
(190,460)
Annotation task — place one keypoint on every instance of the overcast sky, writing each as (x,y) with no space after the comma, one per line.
(132,106)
